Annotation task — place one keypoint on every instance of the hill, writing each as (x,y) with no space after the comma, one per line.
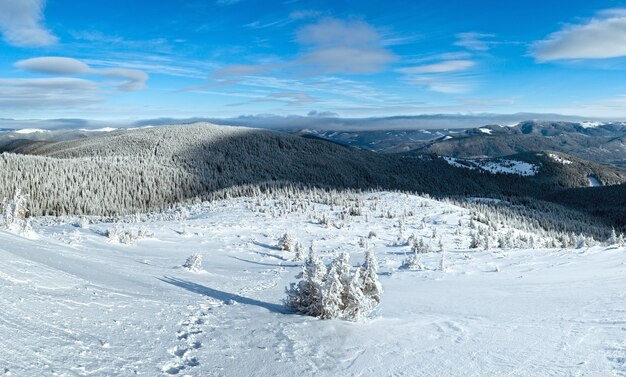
(600,142)
(130,171)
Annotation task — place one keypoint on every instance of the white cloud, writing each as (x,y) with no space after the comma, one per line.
(344,47)
(346,60)
(53,65)
(599,38)
(441,67)
(21,23)
(47,93)
(441,84)
(133,79)
(474,41)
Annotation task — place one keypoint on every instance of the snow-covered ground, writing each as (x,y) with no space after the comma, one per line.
(594,182)
(501,166)
(74,304)
(559,159)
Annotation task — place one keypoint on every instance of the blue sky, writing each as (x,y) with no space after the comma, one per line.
(224,58)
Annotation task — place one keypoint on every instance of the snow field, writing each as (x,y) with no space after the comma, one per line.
(72,303)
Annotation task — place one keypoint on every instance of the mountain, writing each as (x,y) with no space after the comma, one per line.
(140,170)
(601,142)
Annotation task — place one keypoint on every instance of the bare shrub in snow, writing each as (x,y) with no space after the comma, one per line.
(193,262)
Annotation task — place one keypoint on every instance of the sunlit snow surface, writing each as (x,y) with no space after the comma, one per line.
(73,304)
(501,166)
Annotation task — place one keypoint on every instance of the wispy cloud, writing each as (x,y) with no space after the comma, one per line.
(21,23)
(444,85)
(329,46)
(446,76)
(37,93)
(603,36)
(441,67)
(474,41)
(133,80)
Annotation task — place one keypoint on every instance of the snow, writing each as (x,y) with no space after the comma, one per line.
(589,124)
(485,131)
(501,166)
(104,129)
(73,304)
(594,182)
(559,159)
(30,131)
(448,137)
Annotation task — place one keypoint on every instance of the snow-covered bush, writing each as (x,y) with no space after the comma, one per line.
(413,261)
(306,296)
(193,262)
(15,214)
(286,242)
(335,291)
(120,234)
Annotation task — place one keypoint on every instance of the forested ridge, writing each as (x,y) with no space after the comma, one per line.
(149,169)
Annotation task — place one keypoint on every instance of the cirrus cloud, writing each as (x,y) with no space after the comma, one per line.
(441,67)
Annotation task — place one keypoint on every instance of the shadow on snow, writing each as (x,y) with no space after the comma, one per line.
(225,297)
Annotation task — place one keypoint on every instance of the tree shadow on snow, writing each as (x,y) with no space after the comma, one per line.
(225,297)
(269,247)
(266,264)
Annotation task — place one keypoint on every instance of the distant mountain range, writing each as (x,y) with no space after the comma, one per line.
(603,142)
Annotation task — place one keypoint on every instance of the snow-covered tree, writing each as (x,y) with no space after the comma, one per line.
(614,239)
(357,305)
(372,288)
(336,291)
(193,262)
(15,214)
(298,252)
(335,288)
(413,261)
(286,242)
(306,296)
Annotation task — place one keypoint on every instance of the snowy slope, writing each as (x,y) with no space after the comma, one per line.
(498,166)
(74,304)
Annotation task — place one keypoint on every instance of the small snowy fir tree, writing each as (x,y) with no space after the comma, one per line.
(613,240)
(286,242)
(15,214)
(371,285)
(442,263)
(334,293)
(306,296)
(298,252)
(193,262)
(357,305)
(413,261)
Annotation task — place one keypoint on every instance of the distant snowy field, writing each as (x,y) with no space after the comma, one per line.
(500,166)
(74,304)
